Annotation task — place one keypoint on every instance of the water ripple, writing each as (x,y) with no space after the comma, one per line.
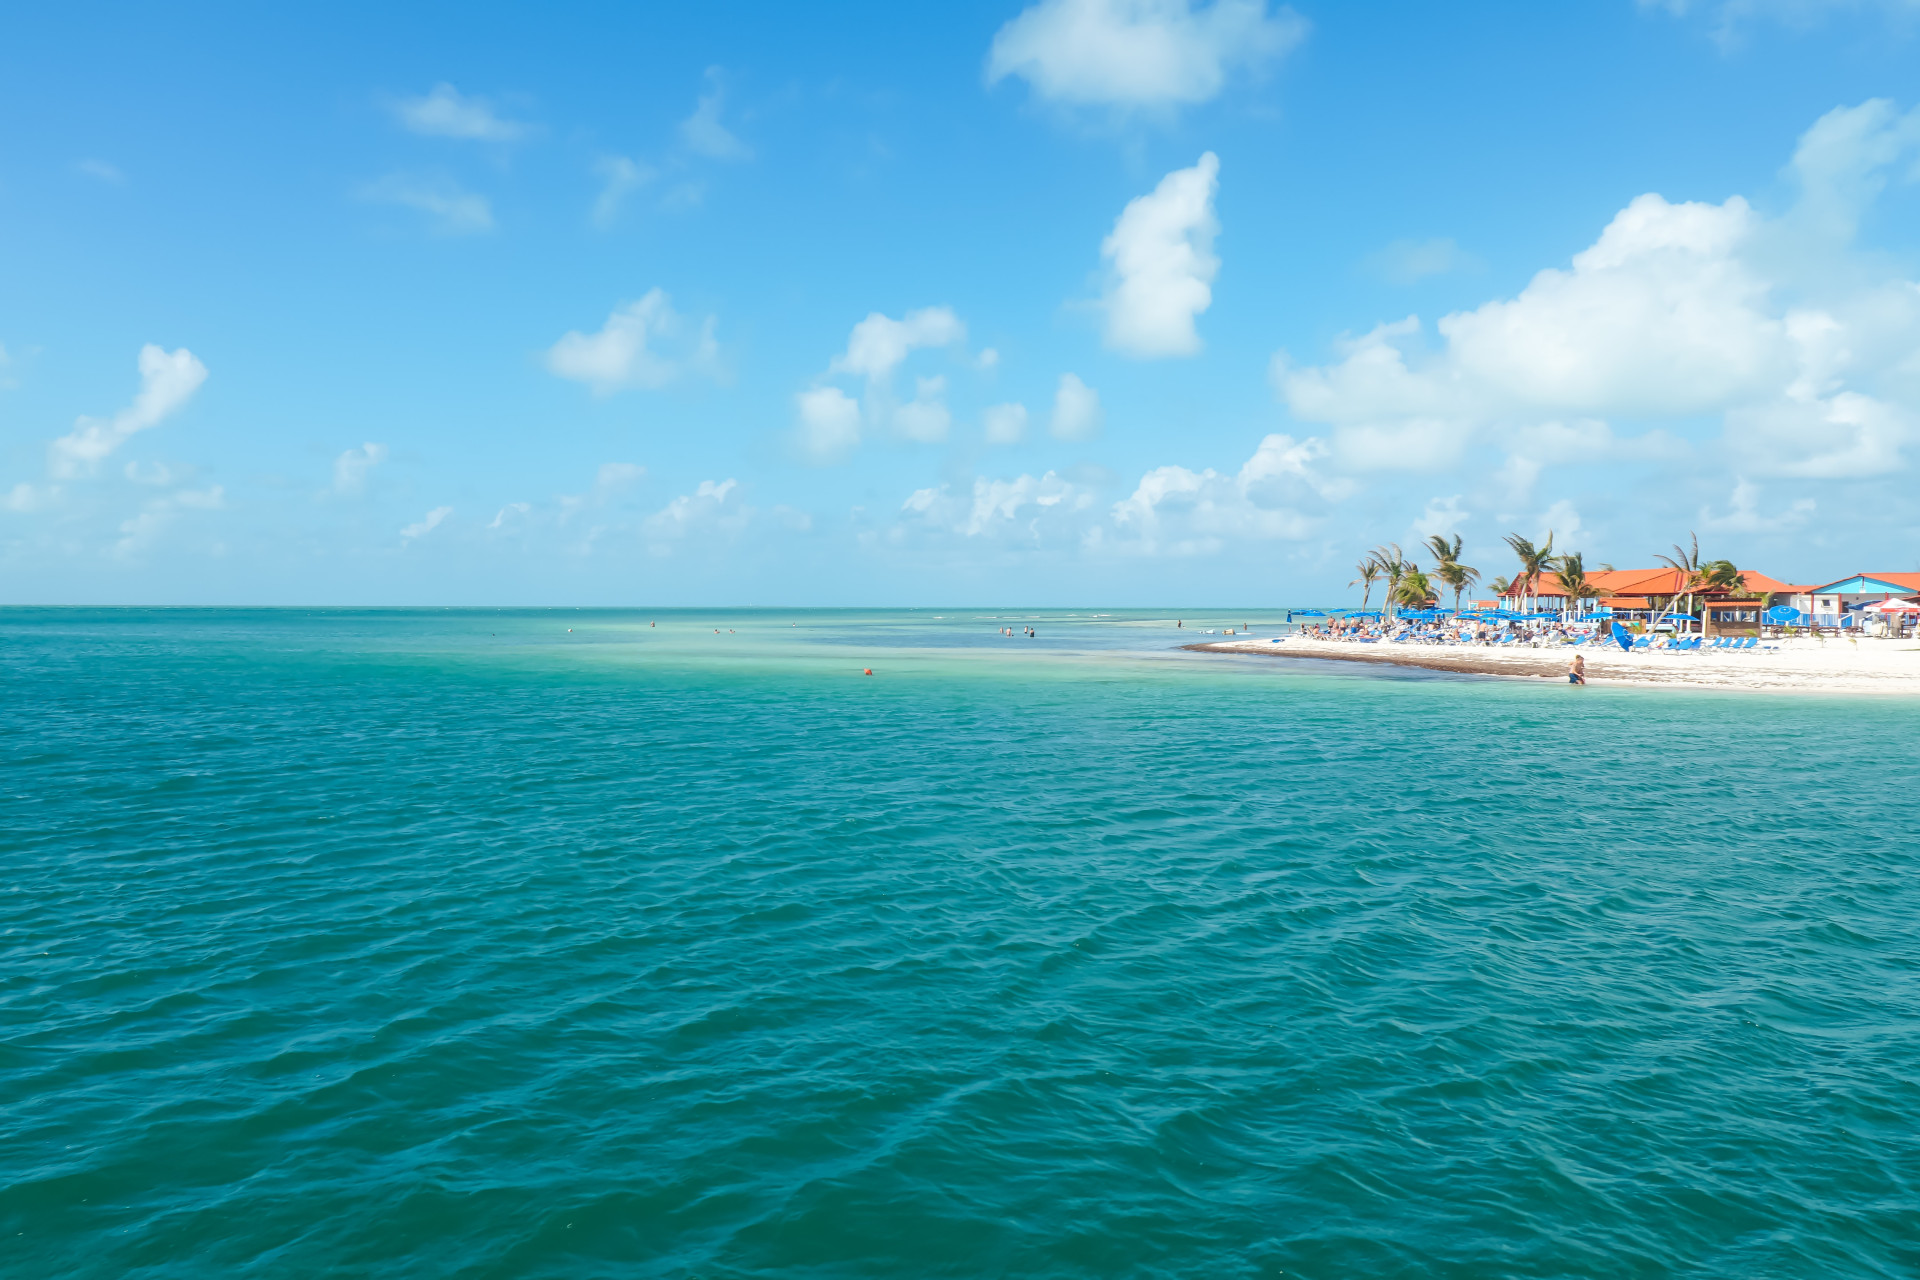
(357,947)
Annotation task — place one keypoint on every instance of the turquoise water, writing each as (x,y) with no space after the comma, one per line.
(453,943)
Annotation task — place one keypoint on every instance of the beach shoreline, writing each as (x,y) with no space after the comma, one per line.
(1867,666)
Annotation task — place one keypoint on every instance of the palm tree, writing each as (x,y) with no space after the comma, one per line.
(1533,561)
(1687,562)
(1697,575)
(1459,577)
(1571,571)
(1393,567)
(1449,569)
(1369,571)
(1499,586)
(1415,589)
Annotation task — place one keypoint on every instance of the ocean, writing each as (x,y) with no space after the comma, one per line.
(491,943)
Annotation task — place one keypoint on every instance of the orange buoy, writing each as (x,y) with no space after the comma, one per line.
(868,671)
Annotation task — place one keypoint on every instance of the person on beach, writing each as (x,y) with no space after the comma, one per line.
(1577,671)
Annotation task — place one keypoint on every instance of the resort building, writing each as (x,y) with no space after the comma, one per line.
(1831,603)
(1639,595)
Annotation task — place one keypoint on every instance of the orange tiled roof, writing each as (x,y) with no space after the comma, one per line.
(1649,582)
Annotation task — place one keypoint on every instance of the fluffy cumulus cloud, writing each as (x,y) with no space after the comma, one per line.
(450,209)
(1161,264)
(1796,343)
(831,421)
(168,380)
(713,510)
(1140,53)
(1076,410)
(643,344)
(925,418)
(445,112)
(1277,494)
(879,344)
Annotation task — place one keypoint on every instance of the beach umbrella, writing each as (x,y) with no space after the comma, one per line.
(1894,606)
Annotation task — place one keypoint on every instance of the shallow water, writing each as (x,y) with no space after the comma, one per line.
(453,943)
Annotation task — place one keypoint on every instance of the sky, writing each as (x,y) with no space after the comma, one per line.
(1051,303)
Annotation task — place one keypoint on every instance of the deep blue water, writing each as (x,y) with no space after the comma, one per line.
(453,943)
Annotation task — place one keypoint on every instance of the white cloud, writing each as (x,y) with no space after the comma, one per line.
(1410,261)
(711,510)
(168,380)
(1279,493)
(452,210)
(829,422)
(1162,265)
(643,344)
(1442,515)
(1140,53)
(1745,516)
(621,176)
(426,524)
(879,344)
(351,468)
(1076,409)
(702,132)
(1175,511)
(101,170)
(1677,311)
(925,418)
(1014,509)
(1006,423)
(447,113)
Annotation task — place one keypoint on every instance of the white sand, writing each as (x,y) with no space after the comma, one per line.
(1849,666)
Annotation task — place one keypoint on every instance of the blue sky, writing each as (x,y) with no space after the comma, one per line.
(1069,302)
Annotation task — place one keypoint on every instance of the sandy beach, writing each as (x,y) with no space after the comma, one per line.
(1833,666)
